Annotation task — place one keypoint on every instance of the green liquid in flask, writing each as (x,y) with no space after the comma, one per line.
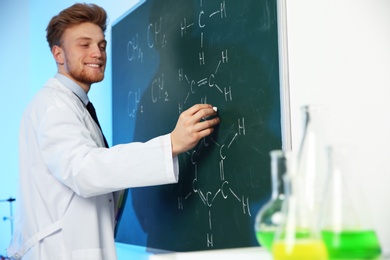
(352,244)
(266,238)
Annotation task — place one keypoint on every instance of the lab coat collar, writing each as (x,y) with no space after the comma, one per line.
(75,88)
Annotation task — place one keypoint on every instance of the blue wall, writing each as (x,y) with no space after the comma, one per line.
(26,64)
(14,75)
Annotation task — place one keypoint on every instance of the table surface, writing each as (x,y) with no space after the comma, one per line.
(126,251)
(225,254)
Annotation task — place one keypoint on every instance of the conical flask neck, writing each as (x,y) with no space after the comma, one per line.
(278,170)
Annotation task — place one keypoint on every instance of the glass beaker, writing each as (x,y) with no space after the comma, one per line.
(269,216)
(297,240)
(311,161)
(346,232)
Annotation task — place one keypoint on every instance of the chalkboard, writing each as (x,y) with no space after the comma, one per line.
(168,55)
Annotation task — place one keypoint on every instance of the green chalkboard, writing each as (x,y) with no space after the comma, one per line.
(168,55)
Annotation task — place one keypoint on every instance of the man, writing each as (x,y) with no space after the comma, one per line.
(67,175)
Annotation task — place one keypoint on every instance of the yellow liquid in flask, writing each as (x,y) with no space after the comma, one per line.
(299,250)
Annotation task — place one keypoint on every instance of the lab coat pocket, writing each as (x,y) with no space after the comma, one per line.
(85,254)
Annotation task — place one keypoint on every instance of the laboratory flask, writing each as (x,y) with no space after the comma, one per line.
(269,216)
(346,231)
(311,161)
(294,239)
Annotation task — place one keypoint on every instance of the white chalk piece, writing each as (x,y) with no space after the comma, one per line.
(215,109)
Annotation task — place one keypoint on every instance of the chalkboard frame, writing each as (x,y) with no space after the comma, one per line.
(283,72)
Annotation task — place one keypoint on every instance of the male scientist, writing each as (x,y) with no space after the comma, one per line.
(68,176)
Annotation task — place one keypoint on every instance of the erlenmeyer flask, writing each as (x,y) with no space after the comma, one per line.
(311,161)
(269,216)
(294,239)
(346,232)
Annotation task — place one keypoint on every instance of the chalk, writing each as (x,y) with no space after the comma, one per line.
(215,110)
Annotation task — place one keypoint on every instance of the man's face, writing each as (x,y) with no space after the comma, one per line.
(82,54)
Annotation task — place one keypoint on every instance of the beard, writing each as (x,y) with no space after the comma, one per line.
(84,77)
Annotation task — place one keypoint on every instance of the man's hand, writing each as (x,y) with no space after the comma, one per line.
(192,125)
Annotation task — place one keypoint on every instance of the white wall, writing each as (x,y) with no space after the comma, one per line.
(339,55)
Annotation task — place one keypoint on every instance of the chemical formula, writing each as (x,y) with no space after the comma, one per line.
(155,35)
(212,52)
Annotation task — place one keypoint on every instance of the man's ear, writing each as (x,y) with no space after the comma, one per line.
(58,54)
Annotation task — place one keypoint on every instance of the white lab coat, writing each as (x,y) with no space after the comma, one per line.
(65,208)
